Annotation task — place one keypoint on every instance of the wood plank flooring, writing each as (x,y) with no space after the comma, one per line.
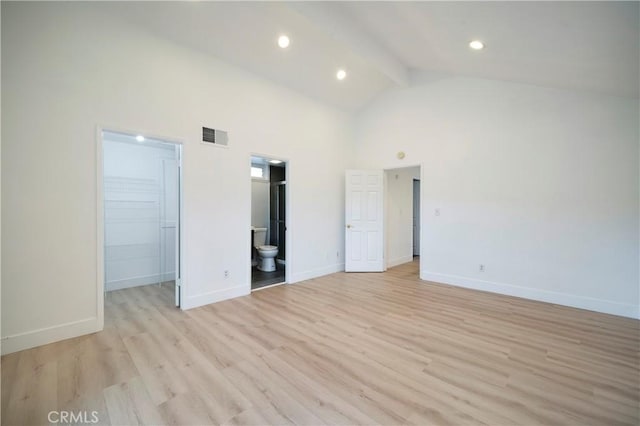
(342,349)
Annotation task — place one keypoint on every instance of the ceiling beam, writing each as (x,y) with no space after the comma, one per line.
(329,18)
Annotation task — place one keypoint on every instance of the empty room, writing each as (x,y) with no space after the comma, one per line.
(341,213)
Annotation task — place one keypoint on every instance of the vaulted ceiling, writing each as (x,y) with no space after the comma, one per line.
(593,46)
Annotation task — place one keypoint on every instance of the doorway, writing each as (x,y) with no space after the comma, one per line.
(141,198)
(416,217)
(382,219)
(268,235)
(402,215)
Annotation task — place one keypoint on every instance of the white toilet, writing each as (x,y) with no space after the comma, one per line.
(266,253)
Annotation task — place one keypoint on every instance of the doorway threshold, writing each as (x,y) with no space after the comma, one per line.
(267,286)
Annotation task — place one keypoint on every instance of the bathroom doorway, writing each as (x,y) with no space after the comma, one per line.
(268,222)
(141,187)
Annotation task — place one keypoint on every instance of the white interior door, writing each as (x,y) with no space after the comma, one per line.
(178,228)
(416,217)
(364,243)
(169,244)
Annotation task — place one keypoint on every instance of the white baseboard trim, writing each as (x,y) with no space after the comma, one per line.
(215,296)
(315,273)
(43,336)
(399,261)
(574,301)
(138,281)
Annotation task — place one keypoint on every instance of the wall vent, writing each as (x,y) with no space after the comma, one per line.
(215,137)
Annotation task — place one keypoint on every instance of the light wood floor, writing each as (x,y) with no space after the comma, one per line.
(342,349)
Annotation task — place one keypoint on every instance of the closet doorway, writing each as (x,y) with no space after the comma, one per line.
(141,192)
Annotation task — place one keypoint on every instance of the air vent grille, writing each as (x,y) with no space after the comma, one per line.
(215,137)
(208,135)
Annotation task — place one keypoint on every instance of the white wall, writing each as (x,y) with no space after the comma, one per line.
(65,70)
(539,185)
(260,204)
(399,214)
(140,193)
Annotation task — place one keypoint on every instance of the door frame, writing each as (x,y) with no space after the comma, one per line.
(287,206)
(386,215)
(100,261)
(418,182)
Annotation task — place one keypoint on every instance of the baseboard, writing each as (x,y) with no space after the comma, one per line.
(315,273)
(215,296)
(43,336)
(138,281)
(399,261)
(574,301)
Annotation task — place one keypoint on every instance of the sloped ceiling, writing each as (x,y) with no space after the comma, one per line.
(592,46)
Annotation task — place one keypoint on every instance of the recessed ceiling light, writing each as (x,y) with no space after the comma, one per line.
(140,138)
(476,45)
(341,74)
(283,41)
(275,161)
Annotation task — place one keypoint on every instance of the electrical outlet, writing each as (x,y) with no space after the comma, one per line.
(337,255)
(226,274)
(481,267)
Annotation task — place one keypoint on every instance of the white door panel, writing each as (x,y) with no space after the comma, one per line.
(178,230)
(364,248)
(416,217)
